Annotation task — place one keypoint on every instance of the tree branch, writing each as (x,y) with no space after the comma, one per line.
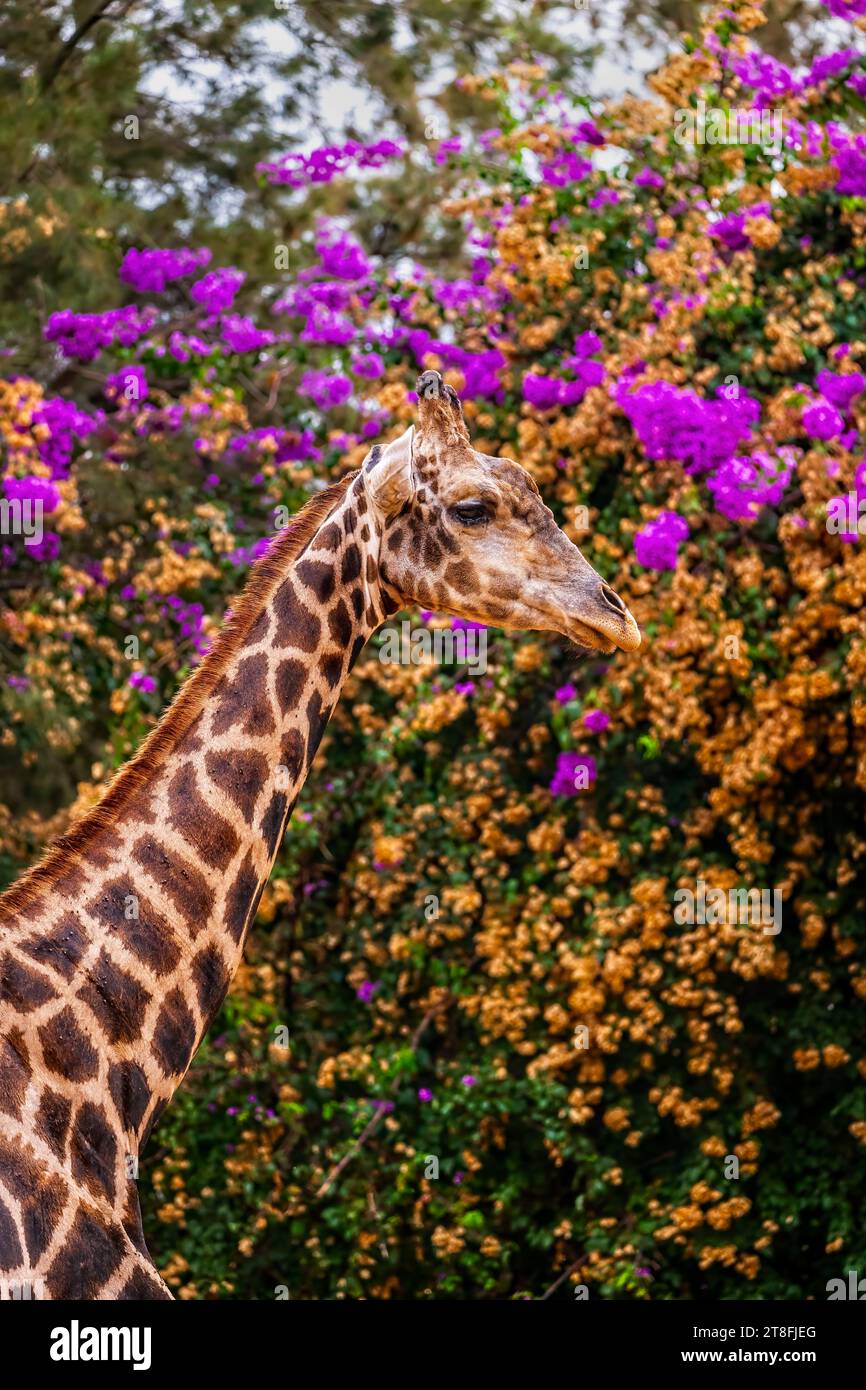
(50,77)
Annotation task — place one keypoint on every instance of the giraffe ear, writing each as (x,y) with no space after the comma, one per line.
(388,474)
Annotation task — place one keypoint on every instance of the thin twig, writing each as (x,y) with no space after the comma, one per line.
(571,1268)
(373,1122)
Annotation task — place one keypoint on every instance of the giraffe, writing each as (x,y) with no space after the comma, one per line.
(118,947)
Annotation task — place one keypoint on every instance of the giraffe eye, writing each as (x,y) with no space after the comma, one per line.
(470,513)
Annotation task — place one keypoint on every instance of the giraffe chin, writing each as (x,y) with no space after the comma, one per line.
(587,642)
(591,641)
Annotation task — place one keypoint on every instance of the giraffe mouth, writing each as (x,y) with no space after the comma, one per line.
(588,641)
(622,635)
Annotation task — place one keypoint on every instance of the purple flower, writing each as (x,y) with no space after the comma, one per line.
(742,485)
(656,543)
(468,1079)
(464,688)
(85,335)
(846,9)
(732,229)
(768,77)
(648,178)
(241,335)
(325,326)
(368,364)
(838,389)
(216,292)
(325,390)
(322,164)
(129,384)
(603,197)
(679,424)
(565,693)
(465,625)
(574,772)
(596,721)
(822,421)
(850,160)
(446,148)
(541,392)
(367,990)
(342,257)
(149,271)
(566,167)
(829,65)
(587,344)
(143,682)
(42,494)
(425,1094)
(47,549)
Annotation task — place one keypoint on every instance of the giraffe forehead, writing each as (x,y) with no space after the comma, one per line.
(455,473)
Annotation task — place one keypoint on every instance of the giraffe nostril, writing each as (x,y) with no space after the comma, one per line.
(613,599)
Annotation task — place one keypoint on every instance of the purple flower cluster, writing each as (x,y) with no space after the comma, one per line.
(446,148)
(829,65)
(767,76)
(64,423)
(480,369)
(324,326)
(129,385)
(741,486)
(656,543)
(846,9)
(342,257)
(140,681)
(240,334)
(566,167)
(149,271)
(822,421)
(216,291)
(36,490)
(850,159)
(840,389)
(368,365)
(323,164)
(679,424)
(288,446)
(732,229)
(85,335)
(544,392)
(324,389)
(648,178)
(573,773)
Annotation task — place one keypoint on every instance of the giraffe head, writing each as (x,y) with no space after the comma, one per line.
(467,534)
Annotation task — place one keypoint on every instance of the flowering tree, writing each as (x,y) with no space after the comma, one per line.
(507,1059)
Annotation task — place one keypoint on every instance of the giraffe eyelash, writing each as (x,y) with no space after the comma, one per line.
(470,513)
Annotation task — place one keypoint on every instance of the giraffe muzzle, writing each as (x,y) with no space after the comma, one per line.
(598,620)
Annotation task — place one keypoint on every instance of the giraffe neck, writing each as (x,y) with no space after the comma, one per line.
(125,947)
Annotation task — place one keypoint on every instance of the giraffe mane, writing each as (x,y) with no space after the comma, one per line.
(284,550)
